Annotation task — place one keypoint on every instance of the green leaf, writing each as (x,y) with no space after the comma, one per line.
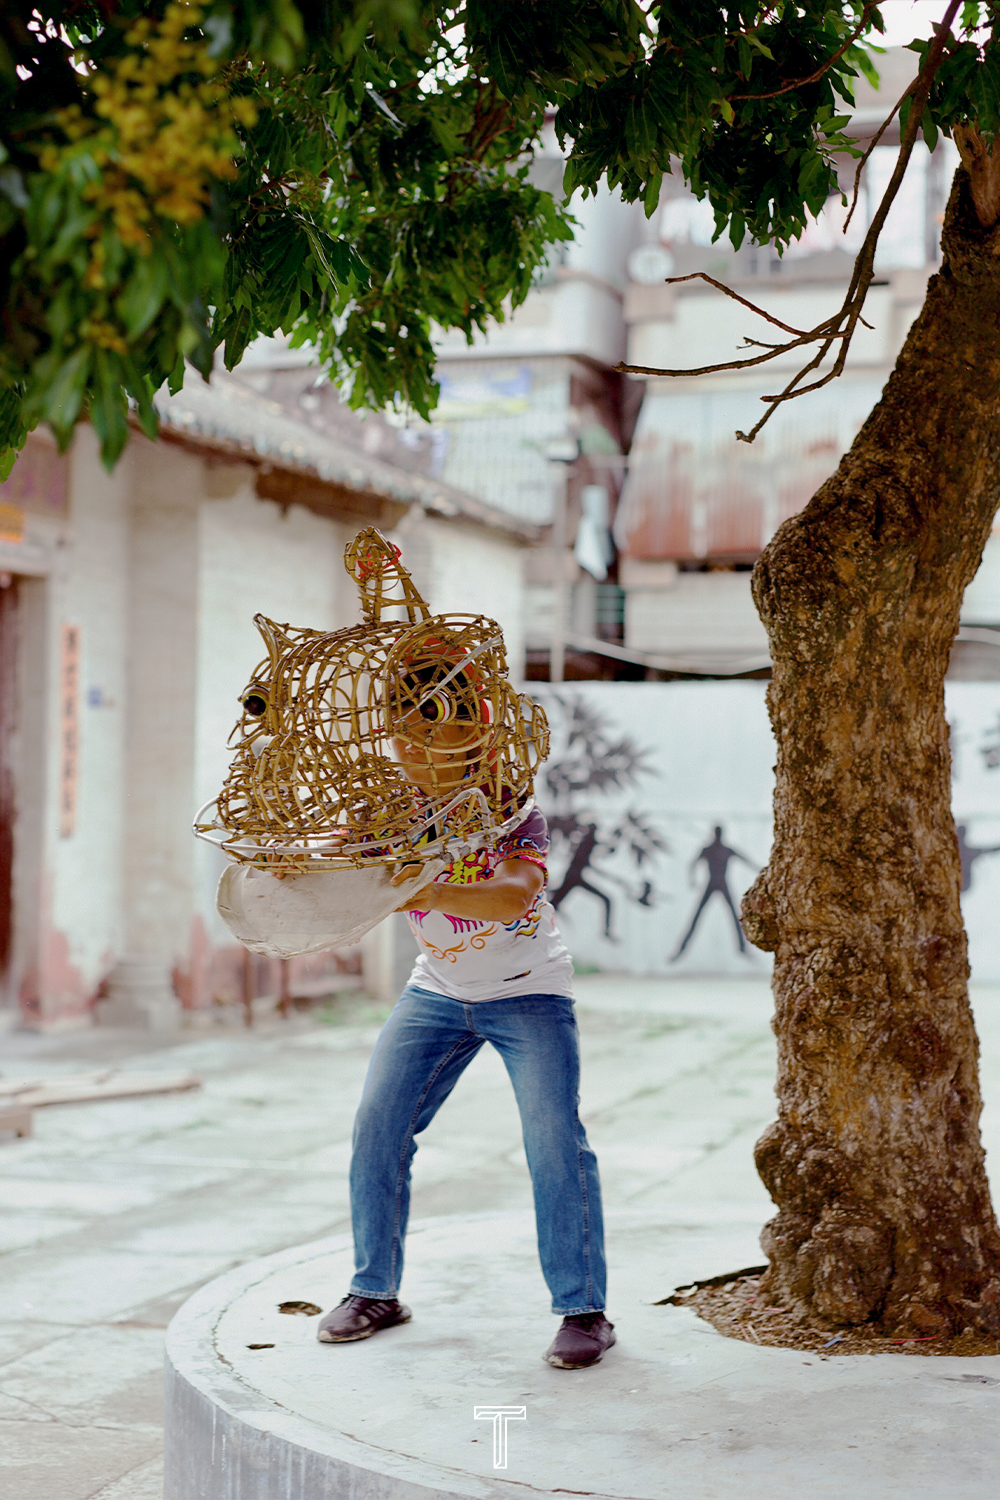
(144,294)
(62,400)
(380,102)
(861,58)
(382,188)
(108,408)
(929,128)
(13,428)
(141,389)
(175,380)
(13,188)
(756,42)
(970,15)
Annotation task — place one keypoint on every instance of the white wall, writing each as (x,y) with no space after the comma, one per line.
(162,634)
(577,315)
(68,887)
(608,231)
(475,572)
(706,755)
(464,569)
(981,604)
(974,717)
(162,566)
(252,559)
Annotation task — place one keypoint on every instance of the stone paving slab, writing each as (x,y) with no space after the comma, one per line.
(673,1410)
(677,1084)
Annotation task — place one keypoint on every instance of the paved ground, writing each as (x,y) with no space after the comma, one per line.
(116,1212)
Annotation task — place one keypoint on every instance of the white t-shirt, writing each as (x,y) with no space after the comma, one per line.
(472,960)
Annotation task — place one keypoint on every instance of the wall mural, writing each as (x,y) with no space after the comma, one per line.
(594,762)
(659,820)
(659,800)
(715,857)
(974,717)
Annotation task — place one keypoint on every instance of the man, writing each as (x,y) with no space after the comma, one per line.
(491,967)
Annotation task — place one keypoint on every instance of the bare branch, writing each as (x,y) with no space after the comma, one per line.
(841,327)
(721,287)
(798,83)
(871,147)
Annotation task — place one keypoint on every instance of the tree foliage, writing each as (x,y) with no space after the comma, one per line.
(179,176)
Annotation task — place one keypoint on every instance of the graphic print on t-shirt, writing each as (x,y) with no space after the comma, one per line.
(490,959)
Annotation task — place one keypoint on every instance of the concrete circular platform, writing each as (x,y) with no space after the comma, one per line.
(674,1412)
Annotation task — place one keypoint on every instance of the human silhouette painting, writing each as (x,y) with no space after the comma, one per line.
(575,878)
(969,853)
(716,857)
(587,845)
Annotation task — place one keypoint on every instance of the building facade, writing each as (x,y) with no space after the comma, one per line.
(126,636)
(690,506)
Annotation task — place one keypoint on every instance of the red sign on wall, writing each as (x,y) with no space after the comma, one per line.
(69,692)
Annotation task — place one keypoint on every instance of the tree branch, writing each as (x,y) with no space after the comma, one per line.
(984,173)
(880,132)
(843,324)
(721,286)
(798,83)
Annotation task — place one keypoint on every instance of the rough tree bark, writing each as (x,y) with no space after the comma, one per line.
(875,1161)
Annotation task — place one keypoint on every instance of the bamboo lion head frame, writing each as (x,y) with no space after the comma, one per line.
(314,784)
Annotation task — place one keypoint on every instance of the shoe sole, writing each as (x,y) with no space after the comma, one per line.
(352,1338)
(562,1364)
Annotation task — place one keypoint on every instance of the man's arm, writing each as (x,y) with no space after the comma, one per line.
(505,898)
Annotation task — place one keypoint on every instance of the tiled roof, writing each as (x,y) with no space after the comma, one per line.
(229,418)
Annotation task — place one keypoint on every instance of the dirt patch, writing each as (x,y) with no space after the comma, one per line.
(736,1307)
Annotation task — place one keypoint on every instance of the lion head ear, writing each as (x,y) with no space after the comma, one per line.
(375,566)
(276,637)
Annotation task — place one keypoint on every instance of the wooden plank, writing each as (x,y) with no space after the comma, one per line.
(16,1117)
(86,1088)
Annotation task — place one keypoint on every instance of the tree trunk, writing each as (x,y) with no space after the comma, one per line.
(875,1161)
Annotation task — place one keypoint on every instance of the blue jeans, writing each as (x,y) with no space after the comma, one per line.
(424,1047)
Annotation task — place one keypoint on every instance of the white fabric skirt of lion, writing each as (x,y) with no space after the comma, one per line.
(308,913)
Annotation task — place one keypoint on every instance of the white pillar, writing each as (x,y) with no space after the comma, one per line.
(378,962)
(160,775)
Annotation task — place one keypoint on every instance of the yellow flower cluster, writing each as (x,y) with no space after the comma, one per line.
(168,129)
(104,334)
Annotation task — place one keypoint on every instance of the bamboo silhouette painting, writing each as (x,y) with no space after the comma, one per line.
(592,762)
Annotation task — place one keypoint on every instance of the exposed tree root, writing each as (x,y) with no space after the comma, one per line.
(737,1307)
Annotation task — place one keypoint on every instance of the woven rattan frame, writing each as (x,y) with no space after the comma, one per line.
(314,783)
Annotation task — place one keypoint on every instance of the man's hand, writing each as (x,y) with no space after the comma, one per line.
(422,899)
(507,897)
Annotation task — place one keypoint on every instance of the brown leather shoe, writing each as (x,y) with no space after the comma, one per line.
(360,1317)
(581,1341)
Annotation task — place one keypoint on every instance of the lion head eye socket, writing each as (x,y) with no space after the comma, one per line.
(255,704)
(438,709)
